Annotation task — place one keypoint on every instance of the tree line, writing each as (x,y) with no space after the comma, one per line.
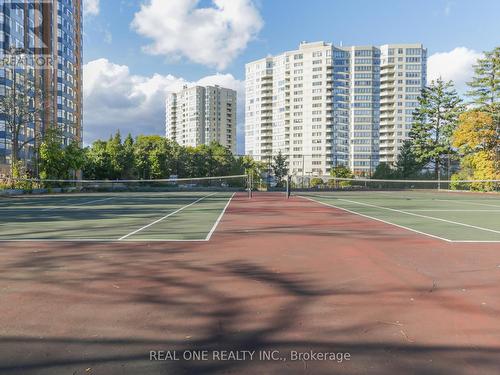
(143,157)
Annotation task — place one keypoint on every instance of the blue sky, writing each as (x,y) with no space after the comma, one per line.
(131,64)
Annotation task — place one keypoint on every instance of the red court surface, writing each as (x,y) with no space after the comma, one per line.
(276,275)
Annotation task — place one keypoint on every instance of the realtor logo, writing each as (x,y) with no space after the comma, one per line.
(25,43)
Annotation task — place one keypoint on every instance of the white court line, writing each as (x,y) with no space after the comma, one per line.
(78,204)
(424,216)
(475,241)
(164,217)
(377,219)
(209,235)
(467,202)
(438,210)
(103,240)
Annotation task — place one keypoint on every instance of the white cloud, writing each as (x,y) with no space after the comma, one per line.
(212,36)
(455,65)
(116,99)
(91,7)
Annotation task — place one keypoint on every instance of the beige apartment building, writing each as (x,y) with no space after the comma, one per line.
(201,115)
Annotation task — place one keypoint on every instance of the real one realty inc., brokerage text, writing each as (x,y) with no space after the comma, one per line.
(247,355)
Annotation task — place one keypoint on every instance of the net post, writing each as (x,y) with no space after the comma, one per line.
(287,187)
(250,184)
(439,178)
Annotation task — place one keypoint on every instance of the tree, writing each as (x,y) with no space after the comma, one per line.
(384,171)
(279,168)
(19,110)
(51,155)
(114,148)
(74,160)
(247,165)
(57,161)
(316,182)
(485,92)
(151,157)
(485,85)
(477,140)
(476,131)
(435,119)
(340,171)
(97,161)
(407,164)
(127,158)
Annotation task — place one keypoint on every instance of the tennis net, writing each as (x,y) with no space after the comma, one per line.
(43,186)
(328,183)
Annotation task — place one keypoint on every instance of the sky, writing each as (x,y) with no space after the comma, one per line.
(135,51)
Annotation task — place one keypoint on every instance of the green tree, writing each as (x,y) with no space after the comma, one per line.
(74,160)
(485,85)
(384,171)
(407,164)
(435,119)
(127,159)
(485,92)
(114,148)
(340,171)
(317,182)
(279,168)
(247,165)
(97,161)
(51,155)
(149,158)
(223,159)
(57,161)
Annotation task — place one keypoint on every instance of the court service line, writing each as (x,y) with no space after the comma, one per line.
(424,216)
(78,204)
(377,219)
(467,202)
(164,217)
(99,240)
(209,235)
(445,210)
(475,241)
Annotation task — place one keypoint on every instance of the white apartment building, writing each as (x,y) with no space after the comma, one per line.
(290,109)
(201,115)
(319,106)
(402,78)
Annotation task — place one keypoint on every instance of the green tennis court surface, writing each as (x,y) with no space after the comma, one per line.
(152,216)
(455,217)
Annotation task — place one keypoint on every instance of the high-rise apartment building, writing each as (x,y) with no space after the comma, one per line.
(320,106)
(202,115)
(403,74)
(41,56)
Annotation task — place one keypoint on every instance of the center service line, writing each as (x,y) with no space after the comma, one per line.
(164,217)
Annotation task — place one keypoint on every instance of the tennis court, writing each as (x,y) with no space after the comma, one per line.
(130,216)
(376,274)
(452,217)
